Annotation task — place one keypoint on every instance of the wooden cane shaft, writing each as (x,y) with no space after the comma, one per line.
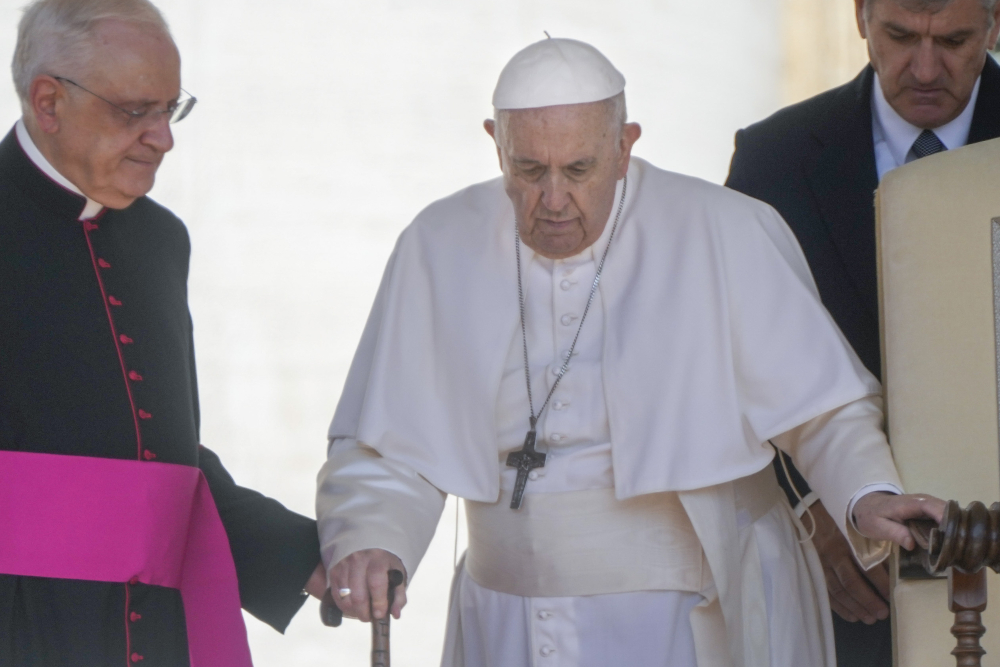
(380,642)
(380,626)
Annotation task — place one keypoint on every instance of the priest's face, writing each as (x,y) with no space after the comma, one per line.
(928,55)
(109,155)
(560,167)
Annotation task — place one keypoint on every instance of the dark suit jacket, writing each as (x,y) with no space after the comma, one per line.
(815,163)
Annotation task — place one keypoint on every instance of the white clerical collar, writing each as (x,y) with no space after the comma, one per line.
(92,207)
(899,135)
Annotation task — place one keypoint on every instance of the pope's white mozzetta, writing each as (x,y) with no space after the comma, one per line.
(655,533)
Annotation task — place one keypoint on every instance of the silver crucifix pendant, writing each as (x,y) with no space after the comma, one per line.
(525,460)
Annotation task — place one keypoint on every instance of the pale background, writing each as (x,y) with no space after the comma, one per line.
(323,127)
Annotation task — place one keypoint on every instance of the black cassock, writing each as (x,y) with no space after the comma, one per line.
(97,359)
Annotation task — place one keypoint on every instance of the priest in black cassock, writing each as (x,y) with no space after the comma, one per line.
(97,366)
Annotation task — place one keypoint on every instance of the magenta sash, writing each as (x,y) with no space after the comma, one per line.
(78,517)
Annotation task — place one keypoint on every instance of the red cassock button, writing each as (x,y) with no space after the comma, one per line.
(103,263)
(148,455)
(134,617)
(133,581)
(125,340)
(144,415)
(89,226)
(113,301)
(132,375)
(135,657)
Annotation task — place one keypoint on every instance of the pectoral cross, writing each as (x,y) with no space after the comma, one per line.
(525,460)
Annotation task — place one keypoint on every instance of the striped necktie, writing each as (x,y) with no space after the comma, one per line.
(927,144)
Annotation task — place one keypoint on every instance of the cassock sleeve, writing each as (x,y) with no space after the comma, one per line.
(841,452)
(365,501)
(275,550)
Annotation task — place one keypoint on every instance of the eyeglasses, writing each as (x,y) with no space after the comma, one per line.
(177,111)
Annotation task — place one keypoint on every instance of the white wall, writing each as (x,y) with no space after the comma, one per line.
(322,129)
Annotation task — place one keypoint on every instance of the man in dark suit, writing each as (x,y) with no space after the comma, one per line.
(931,86)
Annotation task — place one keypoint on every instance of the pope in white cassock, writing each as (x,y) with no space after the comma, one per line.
(597,355)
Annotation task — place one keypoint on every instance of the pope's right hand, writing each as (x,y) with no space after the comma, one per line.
(366,573)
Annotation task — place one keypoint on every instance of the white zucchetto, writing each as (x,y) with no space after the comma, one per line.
(554,72)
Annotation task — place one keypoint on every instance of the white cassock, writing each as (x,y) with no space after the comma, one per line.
(655,534)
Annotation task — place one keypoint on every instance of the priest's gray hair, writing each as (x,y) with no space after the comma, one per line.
(617,116)
(55,37)
(932,6)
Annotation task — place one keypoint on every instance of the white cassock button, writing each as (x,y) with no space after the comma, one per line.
(565,285)
(546,651)
(556,437)
(545,615)
(567,319)
(555,370)
(533,475)
(559,405)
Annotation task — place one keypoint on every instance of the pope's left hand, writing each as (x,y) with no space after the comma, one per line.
(881,516)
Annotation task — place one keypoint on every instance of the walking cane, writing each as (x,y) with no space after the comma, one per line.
(332,617)
(329,612)
(380,627)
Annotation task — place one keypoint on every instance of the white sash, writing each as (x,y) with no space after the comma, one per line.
(590,543)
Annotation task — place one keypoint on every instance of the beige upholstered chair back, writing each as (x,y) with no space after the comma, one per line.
(939,285)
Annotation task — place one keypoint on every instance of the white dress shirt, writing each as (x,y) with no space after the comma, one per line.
(894,137)
(91,209)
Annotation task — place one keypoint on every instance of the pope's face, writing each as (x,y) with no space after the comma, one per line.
(113,159)
(928,62)
(560,166)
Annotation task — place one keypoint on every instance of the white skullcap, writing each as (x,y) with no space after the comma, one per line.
(556,71)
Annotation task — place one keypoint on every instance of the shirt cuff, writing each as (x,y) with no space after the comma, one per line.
(865,490)
(808,501)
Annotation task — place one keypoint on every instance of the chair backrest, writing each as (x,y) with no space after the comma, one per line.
(939,263)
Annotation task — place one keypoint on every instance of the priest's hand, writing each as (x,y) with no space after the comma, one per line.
(854,594)
(316,586)
(366,574)
(881,516)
